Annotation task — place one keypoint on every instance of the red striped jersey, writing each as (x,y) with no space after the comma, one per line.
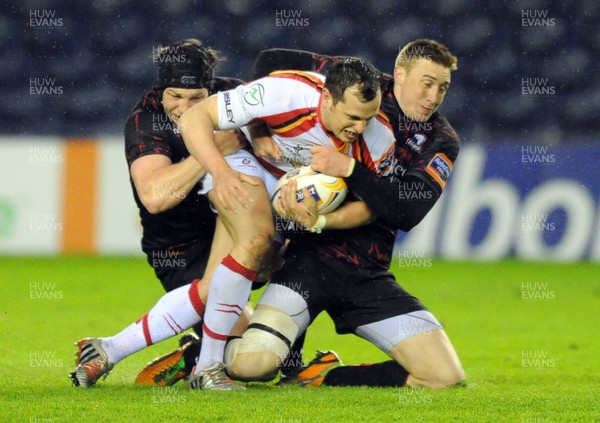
(288,103)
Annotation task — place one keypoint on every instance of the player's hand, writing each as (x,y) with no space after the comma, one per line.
(230,141)
(303,212)
(229,188)
(266,146)
(329,161)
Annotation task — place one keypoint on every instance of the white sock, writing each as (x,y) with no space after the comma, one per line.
(227,295)
(175,312)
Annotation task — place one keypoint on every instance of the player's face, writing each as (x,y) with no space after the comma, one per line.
(421,90)
(178,100)
(349,117)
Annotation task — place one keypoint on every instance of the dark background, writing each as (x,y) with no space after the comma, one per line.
(99,53)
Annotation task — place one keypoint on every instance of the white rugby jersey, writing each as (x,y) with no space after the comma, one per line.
(288,102)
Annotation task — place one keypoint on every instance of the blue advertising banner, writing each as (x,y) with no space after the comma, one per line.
(530,202)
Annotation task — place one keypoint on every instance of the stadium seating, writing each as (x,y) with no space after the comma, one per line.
(101,56)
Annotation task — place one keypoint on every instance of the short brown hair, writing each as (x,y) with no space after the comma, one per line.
(425,49)
(350,71)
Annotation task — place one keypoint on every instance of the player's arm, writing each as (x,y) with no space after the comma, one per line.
(262,142)
(197,127)
(162,185)
(350,215)
(393,202)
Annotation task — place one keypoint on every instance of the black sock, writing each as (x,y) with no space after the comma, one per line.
(386,374)
(293,361)
(198,329)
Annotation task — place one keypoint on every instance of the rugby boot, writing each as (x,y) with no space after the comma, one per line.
(170,368)
(91,363)
(314,373)
(213,378)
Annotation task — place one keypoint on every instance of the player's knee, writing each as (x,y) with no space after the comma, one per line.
(250,359)
(446,377)
(259,353)
(256,366)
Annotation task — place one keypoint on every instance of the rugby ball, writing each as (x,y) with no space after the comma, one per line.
(328,191)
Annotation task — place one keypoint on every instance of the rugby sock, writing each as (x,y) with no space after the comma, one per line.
(293,361)
(175,312)
(227,295)
(383,375)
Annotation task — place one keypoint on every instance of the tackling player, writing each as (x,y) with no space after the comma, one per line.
(178,224)
(345,272)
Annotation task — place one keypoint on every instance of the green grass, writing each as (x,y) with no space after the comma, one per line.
(534,360)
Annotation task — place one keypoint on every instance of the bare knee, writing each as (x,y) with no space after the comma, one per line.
(448,378)
(442,377)
(430,360)
(256,366)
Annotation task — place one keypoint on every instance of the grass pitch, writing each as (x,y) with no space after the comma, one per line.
(527,335)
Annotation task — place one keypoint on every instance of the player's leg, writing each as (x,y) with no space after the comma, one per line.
(252,232)
(182,265)
(404,329)
(175,312)
(293,362)
(271,332)
(430,360)
(423,355)
(176,365)
(283,313)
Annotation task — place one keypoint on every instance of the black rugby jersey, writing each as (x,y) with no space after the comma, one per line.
(148,130)
(424,157)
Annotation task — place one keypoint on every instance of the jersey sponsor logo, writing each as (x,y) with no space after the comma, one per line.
(242,164)
(399,170)
(188,80)
(228,110)
(439,168)
(253,95)
(387,164)
(416,142)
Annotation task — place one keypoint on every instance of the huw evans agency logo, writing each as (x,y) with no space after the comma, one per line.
(290,19)
(536,18)
(44,18)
